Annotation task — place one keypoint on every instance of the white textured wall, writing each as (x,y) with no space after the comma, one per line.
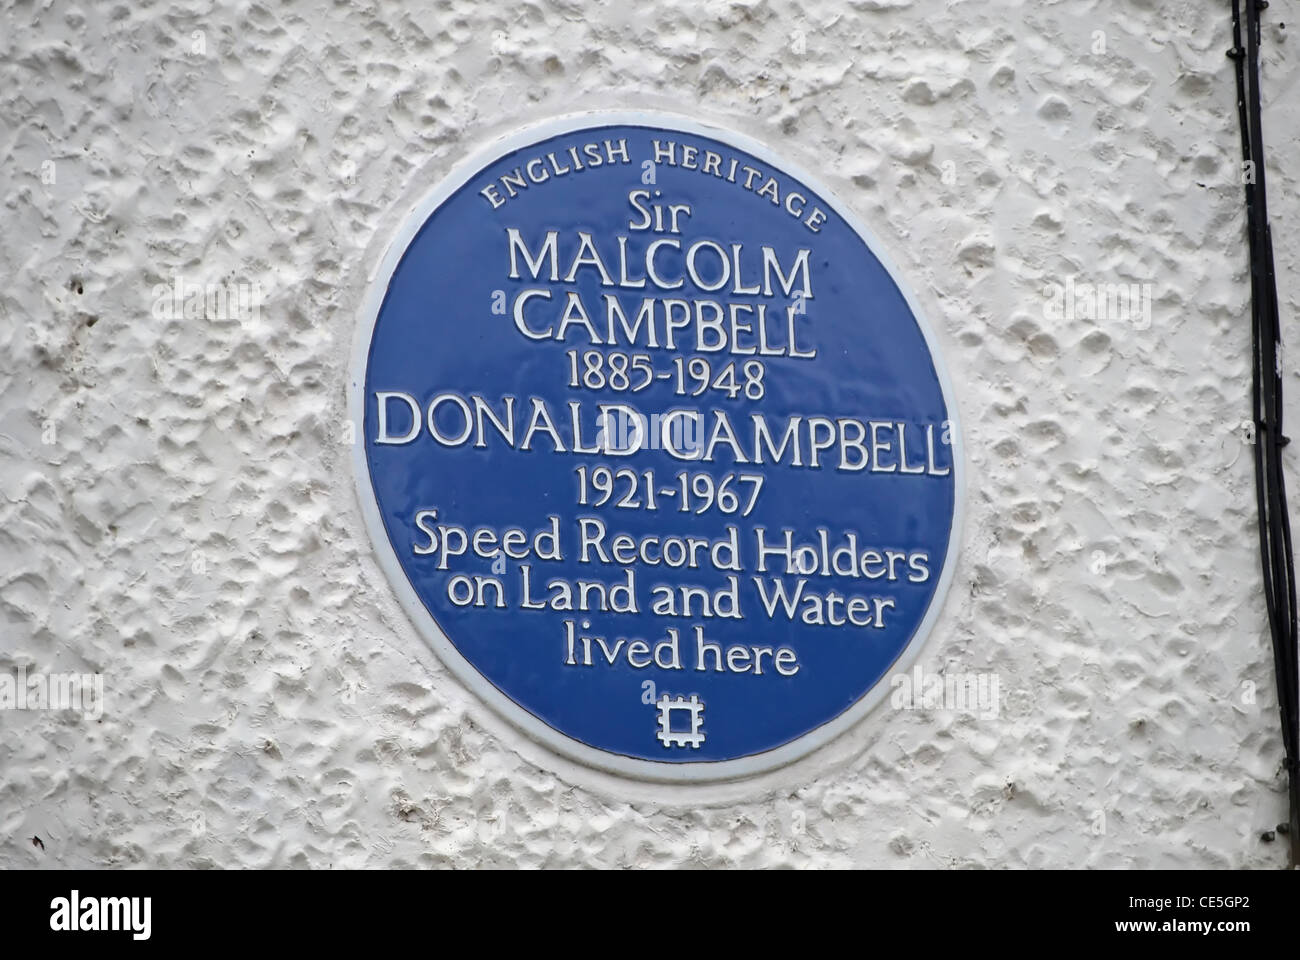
(192,530)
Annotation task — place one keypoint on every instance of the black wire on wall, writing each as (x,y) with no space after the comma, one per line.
(1266,397)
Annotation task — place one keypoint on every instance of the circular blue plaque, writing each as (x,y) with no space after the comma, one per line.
(654,447)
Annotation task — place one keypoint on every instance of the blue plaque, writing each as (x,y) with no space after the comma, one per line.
(655,448)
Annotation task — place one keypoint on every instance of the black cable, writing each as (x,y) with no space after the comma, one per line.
(1276,556)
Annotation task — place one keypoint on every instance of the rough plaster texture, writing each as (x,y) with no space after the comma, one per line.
(191,530)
